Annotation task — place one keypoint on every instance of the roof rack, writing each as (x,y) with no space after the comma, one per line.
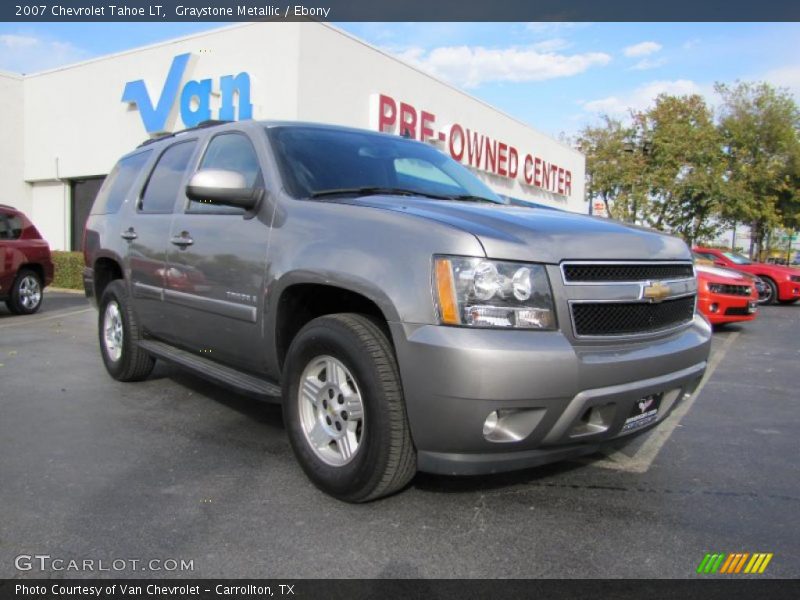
(201,125)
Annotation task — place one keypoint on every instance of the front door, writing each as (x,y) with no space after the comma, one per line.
(215,265)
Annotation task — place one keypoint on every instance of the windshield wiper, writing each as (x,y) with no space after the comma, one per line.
(374,191)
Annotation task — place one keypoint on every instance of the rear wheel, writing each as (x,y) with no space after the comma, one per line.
(119,335)
(344,410)
(26,293)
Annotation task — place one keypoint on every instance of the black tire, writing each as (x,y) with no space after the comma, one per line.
(19,301)
(385,458)
(133,363)
(773,292)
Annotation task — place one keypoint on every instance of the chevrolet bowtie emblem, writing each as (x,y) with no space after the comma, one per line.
(655,292)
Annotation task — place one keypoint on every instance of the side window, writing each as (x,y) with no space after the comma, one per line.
(5,227)
(229,152)
(165,181)
(15,225)
(118,183)
(10,227)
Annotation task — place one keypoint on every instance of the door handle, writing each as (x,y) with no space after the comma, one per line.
(129,234)
(182,240)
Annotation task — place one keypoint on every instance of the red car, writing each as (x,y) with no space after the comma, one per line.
(783,283)
(25,263)
(725,296)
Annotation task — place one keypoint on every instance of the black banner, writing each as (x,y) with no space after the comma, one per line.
(410,589)
(399,10)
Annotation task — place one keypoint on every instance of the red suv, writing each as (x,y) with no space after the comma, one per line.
(25,263)
(783,283)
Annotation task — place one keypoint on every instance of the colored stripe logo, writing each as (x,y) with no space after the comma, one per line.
(734,563)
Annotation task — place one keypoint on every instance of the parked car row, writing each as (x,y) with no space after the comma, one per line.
(731,286)
(782,282)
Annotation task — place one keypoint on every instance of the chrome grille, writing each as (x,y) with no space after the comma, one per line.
(617,298)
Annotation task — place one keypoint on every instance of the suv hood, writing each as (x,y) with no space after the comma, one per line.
(539,235)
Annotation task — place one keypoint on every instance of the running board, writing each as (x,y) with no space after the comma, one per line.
(208,369)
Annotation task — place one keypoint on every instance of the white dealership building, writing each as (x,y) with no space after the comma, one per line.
(64,129)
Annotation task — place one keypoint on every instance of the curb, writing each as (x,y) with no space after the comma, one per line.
(50,288)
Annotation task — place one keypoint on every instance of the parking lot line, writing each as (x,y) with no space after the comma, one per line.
(33,319)
(641,460)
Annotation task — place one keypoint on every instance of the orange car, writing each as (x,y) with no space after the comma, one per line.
(726,296)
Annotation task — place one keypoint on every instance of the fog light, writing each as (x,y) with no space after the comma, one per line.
(511,425)
(490,424)
(714,307)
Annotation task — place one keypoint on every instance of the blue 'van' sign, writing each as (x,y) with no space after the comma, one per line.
(155,116)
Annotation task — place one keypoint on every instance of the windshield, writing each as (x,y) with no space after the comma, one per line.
(737,258)
(318,162)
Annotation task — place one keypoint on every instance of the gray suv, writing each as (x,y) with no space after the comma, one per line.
(406,318)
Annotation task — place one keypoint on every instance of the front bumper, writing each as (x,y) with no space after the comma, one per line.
(575,398)
(788,290)
(729,309)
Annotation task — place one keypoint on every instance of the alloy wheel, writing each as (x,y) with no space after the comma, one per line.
(113,331)
(331,410)
(30,292)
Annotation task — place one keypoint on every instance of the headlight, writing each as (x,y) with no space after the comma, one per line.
(488,293)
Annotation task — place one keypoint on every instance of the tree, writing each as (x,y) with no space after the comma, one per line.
(611,169)
(759,129)
(685,166)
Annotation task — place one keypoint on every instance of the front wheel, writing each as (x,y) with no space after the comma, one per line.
(26,293)
(119,334)
(770,293)
(344,410)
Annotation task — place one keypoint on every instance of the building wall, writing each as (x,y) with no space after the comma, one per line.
(50,212)
(13,190)
(77,124)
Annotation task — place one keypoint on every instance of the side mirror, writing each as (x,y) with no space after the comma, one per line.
(229,188)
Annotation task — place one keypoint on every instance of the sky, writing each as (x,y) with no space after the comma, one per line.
(557,77)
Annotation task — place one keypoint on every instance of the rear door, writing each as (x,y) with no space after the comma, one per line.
(215,264)
(148,230)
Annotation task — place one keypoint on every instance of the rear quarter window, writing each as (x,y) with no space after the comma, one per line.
(118,183)
(11,227)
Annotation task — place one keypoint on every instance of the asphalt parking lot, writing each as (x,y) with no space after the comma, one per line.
(175,468)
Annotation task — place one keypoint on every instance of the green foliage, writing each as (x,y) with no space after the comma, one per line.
(759,126)
(68,268)
(610,169)
(676,168)
(685,167)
